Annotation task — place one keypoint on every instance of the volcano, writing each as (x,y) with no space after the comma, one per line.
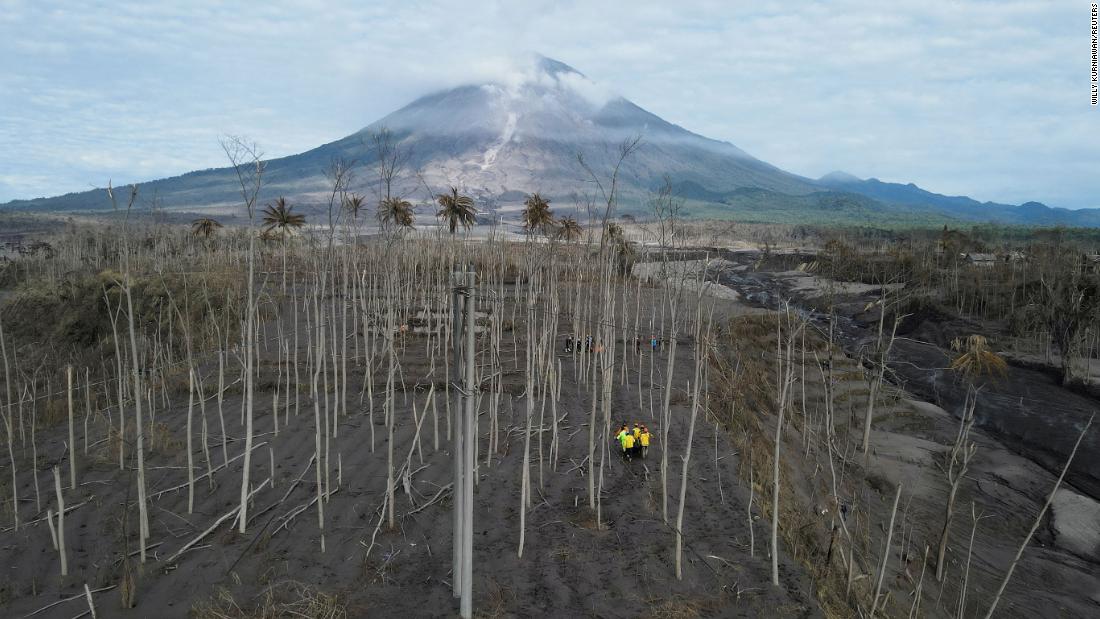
(528,131)
(497,141)
(500,139)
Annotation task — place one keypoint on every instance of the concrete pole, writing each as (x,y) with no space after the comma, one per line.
(469,445)
(72,434)
(456,334)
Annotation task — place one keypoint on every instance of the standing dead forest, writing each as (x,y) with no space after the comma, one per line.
(288,416)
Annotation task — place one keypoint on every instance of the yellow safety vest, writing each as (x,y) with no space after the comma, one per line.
(628,441)
(644,438)
(637,432)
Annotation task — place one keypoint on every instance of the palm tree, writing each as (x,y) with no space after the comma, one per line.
(569,229)
(395,211)
(975,359)
(204,227)
(280,217)
(536,213)
(456,209)
(353,204)
(624,251)
(613,233)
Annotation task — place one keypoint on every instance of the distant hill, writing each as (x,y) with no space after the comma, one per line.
(960,207)
(499,141)
(753,204)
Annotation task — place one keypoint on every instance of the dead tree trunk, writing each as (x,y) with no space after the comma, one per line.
(883,352)
(1038,521)
(958,461)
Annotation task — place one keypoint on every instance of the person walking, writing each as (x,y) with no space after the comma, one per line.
(643,441)
(628,445)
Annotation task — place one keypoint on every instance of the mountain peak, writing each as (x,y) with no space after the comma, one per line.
(838,176)
(553,67)
(1033,205)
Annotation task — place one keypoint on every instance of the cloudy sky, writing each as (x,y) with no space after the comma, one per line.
(988,99)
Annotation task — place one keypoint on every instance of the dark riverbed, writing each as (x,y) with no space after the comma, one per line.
(1028,410)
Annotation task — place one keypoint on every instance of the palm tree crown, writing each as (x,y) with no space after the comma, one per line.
(975,359)
(614,232)
(569,229)
(456,209)
(536,213)
(280,217)
(204,227)
(353,204)
(395,211)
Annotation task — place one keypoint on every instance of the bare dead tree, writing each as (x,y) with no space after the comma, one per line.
(956,465)
(608,189)
(885,554)
(391,159)
(882,353)
(702,350)
(340,172)
(786,377)
(248,165)
(126,283)
(1065,300)
(1038,520)
(9,428)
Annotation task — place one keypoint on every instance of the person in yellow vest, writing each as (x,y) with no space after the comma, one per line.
(628,445)
(643,440)
(621,437)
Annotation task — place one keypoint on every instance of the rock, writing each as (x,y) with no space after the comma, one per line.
(1076,523)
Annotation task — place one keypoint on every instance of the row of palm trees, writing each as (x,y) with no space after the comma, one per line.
(455,209)
(537,217)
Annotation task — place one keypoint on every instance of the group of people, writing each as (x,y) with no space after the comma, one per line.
(582,345)
(588,345)
(634,442)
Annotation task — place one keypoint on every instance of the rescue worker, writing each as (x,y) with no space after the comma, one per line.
(628,444)
(643,441)
(637,433)
(619,437)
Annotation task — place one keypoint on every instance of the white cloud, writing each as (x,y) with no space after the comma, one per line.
(982,98)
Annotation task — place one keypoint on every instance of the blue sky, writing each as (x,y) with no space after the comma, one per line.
(988,99)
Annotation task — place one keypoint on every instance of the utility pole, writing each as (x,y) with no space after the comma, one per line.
(464,327)
(470,445)
(457,280)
